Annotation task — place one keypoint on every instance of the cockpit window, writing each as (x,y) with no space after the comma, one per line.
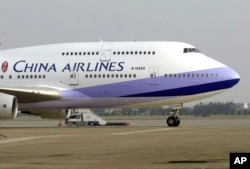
(189,50)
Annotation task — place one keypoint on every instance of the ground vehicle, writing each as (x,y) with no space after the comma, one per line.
(78,120)
(84,118)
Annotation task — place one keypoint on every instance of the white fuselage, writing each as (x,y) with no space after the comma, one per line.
(114,74)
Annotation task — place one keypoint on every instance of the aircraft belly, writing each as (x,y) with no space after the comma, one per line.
(108,102)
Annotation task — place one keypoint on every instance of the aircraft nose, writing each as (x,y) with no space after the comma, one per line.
(232,76)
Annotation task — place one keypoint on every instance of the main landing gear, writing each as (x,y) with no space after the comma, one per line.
(174,120)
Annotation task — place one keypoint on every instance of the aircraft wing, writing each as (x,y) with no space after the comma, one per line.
(32,94)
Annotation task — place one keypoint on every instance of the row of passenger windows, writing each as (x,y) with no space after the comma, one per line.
(26,77)
(116,76)
(72,76)
(192,75)
(80,53)
(114,53)
(109,76)
(134,52)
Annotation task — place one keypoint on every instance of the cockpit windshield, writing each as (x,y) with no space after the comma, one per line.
(189,50)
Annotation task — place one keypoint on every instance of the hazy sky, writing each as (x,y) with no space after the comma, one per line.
(219,28)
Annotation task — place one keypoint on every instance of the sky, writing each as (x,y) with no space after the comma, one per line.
(218,28)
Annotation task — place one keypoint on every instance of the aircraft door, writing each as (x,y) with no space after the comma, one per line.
(73,78)
(106,52)
(154,75)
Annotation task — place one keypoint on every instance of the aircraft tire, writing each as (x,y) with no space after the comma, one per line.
(171,121)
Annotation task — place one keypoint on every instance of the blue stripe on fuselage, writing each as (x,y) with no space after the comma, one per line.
(190,90)
(167,86)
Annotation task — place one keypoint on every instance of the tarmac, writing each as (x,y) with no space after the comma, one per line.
(199,143)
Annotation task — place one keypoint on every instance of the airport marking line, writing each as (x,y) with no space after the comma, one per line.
(142,131)
(14,140)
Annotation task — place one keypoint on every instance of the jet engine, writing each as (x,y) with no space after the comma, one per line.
(8,106)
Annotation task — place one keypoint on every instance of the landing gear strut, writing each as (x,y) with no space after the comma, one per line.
(174,120)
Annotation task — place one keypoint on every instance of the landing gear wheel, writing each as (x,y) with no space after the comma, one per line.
(173,121)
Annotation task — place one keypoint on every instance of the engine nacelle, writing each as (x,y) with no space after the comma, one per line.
(8,106)
(52,113)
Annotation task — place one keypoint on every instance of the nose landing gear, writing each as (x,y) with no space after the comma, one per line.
(174,120)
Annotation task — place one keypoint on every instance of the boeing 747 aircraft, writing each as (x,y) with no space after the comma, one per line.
(52,80)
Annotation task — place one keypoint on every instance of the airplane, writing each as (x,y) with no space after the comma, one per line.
(52,80)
